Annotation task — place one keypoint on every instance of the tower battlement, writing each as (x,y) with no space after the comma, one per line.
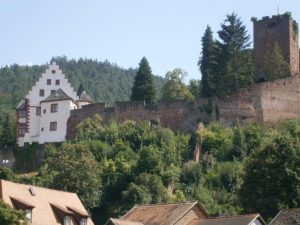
(282,29)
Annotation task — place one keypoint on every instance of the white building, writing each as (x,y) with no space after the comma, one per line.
(42,116)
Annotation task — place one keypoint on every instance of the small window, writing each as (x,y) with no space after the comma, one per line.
(57,82)
(44,111)
(42,92)
(48,81)
(67,220)
(53,71)
(54,108)
(21,130)
(52,92)
(38,111)
(22,113)
(42,129)
(53,126)
(83,221)
(28,213)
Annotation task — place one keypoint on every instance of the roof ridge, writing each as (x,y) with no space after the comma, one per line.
(228,216)
(162,204)
(30,185)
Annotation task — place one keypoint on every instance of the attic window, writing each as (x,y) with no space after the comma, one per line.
(53,71)
(28,214)
(67,220)
(83,221)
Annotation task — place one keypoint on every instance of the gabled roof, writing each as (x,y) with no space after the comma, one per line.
(287,217)
(229,220)
(160,214)
(58,95)
(84,97)
(114,221)
(49,206)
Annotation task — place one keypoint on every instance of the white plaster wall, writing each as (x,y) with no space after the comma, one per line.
(256,222)
(61,117)
(34,100)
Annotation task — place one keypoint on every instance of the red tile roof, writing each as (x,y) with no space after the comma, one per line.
(41,200)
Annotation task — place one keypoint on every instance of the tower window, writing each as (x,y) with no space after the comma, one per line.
(57,82)
(22,113)
(48,81)
(38,111)
(54,108)
(21,130)
(42,92)
(53,126)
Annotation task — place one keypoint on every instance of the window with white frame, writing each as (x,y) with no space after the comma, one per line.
(83,221)
(22,113)
(28,214)
(67,220)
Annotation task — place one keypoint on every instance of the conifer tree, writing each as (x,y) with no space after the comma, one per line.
(234,59)
(80,89)
(143,86)
(207,64)
(275,67)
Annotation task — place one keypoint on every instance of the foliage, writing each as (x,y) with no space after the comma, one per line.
(9,216)
(73,168)
(195,88)
(174,88)
(7,129)
(208,64)
(143,86)
(271,180)
(275,66)
(226,65)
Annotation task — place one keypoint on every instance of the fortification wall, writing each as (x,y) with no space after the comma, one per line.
(265,102)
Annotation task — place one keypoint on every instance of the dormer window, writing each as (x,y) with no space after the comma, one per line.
(28,214)
(83,221)
(67,220)
(22,113)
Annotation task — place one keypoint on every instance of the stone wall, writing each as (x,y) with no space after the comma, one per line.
(264,102)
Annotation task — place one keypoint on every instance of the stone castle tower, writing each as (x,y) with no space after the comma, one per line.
(282,29)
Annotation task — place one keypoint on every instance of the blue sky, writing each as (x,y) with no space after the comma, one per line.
(167,32)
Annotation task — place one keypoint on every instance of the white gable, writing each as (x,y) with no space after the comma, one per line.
(57,80)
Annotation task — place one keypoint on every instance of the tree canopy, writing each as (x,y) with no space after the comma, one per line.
(143,86)
(9,215)
(174,87)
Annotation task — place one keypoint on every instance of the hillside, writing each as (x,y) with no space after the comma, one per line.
(104,81)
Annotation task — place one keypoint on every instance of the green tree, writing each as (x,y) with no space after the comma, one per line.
(143,86)
(195,88)
(272,177)
(275,66)
(80,89)
(207,64)
(8,130)
(174,88)
(235,62)
(10,216)
(73,168)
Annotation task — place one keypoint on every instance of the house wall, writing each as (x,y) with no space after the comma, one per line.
(61,117)
(34,99)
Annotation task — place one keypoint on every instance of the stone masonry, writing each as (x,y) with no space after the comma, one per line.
(268,102)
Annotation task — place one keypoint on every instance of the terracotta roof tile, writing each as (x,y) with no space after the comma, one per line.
(124,222)
(228,220)
(287,217)
(42,213)
(159,214)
